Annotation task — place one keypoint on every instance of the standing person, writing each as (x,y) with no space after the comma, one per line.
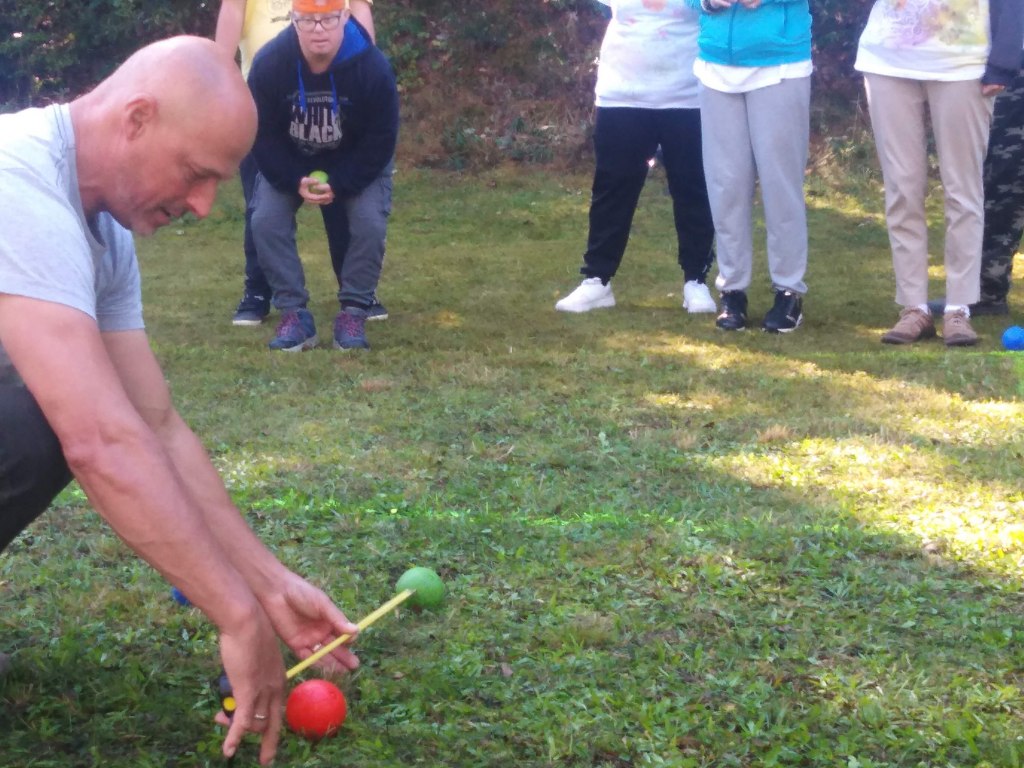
(755,67)
(81,393)
(949,59)
(327,100)
(1004,200)
(246,26)
(646,98)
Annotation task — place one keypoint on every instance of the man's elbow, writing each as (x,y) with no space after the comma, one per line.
(105,449)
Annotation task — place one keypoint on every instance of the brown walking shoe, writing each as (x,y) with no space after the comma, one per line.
(914,325)
(957,330)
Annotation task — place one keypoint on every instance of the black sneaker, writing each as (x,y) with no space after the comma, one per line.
(734,311)
(251,309)
(786,314)
(990,307)
(377,311)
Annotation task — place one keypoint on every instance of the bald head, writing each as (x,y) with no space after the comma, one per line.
(190,78)
(177,111)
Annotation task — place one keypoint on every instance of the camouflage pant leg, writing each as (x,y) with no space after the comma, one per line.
(1004,192)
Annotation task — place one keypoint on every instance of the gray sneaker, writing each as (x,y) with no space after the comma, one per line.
(914,325)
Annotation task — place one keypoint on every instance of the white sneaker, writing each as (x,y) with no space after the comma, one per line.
(697,298)
(589,295)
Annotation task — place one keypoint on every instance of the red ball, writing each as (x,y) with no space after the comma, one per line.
(315,708)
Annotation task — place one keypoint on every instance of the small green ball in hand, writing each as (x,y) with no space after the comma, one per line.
(427,585)
(321,178)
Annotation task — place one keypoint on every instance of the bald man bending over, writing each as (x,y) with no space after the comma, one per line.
(81,393)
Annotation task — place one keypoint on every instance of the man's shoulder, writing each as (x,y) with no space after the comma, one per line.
(28,137)
(35,163)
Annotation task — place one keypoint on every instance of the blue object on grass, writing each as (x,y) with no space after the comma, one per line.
(1013,338)
(179,598)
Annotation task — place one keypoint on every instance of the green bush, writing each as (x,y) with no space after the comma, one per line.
(55,50)
(465,70)
(837,27)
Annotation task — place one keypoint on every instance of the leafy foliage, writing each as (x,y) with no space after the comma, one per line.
(481,83)
(58,49)
(837,27)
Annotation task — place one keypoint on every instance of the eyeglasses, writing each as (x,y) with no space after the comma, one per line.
(308,23)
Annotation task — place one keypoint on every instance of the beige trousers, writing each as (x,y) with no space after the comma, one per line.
(960,118)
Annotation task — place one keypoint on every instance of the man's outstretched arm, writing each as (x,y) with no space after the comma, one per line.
(133,483)
(302,615)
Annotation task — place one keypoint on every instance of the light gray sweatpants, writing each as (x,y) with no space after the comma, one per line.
(356,229)
(758,135)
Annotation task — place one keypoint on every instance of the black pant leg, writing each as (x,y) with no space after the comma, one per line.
(255,281)
(32,466)
(680,140)
(624,140)
(335,219)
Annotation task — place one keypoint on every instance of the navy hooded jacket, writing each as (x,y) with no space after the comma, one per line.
(343,121)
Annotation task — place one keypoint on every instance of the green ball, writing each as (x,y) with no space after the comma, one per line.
(427,585)
(321,178)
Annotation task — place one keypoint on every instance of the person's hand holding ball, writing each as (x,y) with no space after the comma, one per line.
(316,189)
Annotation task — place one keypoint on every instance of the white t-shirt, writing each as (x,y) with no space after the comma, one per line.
(647,55)
(48,250)
(729,79)
(944,40)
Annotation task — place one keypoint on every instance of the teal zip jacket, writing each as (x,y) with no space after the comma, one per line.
(777,32)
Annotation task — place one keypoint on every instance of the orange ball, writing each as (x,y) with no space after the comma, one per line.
(315,709)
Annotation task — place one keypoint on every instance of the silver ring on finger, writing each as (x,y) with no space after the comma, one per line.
(259,717)
(317,647)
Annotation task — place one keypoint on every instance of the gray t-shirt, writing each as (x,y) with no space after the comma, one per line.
(48,249)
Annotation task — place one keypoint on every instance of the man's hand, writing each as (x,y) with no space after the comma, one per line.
(253,664)
(306,619)
(316,192)
(992,89)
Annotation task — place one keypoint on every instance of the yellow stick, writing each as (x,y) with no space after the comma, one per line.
(390,605)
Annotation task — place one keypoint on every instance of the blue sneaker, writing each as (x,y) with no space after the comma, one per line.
(350,329)
(251,309)
(295,332)
(377,311)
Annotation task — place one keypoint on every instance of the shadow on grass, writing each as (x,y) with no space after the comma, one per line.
(723,625)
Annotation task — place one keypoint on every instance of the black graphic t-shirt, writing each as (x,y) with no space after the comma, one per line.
(343,121)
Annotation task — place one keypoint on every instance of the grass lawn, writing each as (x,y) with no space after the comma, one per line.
(664,545)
